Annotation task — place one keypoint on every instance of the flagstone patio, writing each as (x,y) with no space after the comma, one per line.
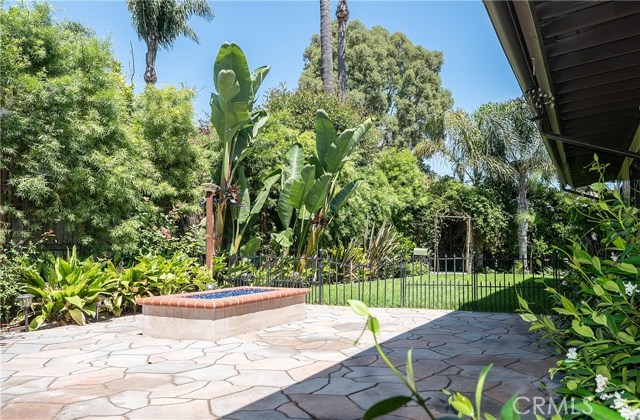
(307,369)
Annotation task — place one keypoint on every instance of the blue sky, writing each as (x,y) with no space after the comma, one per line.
(277,32)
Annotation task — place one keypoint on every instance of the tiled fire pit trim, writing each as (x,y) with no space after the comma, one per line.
(183,300)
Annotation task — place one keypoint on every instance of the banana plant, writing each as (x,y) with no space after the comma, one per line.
(234,120)
(311,195)
(244,215)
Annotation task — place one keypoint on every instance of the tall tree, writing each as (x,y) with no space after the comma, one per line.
(164,121)
(500,140)
(159,22)
(326,36)
(514,138)
(68,161)
(342,13)
(394,79)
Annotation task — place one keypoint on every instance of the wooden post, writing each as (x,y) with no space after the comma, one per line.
(210,229)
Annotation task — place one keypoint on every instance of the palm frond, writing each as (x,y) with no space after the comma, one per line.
(166,20)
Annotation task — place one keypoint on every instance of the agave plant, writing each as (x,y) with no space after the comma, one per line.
(67,290)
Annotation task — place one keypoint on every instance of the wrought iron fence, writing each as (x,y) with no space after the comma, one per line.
(477,284)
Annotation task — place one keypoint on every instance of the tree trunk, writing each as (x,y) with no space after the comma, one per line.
(343,16)
(326,46)
(150,75)
(523,220)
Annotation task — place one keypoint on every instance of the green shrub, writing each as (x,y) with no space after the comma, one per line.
(66,289)
(598,310)
(157,234)
(157,275)
(9,287)
(13,259)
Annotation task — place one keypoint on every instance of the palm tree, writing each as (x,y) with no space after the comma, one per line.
(326,46)
(465,147)
(159,22)
(499,140)
(342,13)
(514,139)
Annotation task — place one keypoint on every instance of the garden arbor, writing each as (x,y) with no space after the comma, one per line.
(454,233)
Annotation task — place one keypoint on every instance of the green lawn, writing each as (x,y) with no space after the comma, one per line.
(494,292)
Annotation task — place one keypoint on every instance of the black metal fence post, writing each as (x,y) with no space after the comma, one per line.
(403,280)
(318,264)
(474,282)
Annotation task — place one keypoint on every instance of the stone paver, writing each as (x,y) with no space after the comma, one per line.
(305,370)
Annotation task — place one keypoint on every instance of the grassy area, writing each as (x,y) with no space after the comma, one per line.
(494,292)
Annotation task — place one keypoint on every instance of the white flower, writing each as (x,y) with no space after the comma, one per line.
(629,413)
(614,257)
(630,288)
(572,353)
(601,382)
(594,236)
(604,396)
(618,401)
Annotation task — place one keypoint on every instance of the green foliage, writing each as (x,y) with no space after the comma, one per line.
(499,141)
(67,289)
(9,287)
(159,22)
(488,219)
(393,189)
(68,161)
(297,109)
(163,122)
(165,20)
(14,259)
(236,124)
(364,258)
(160,234)
(380,247)
(390,77)
(597,307)
(310,196)
(554,223)
(246,214)
(350,262)
(157,275)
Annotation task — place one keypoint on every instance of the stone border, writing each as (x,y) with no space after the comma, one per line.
(180,317)
(183,300)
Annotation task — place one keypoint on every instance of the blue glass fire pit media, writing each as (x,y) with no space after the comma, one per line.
(227,293)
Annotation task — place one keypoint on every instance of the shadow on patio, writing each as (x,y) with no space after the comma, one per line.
(307,369)
(449,351)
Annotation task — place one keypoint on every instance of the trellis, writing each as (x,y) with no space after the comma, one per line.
(468,245)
